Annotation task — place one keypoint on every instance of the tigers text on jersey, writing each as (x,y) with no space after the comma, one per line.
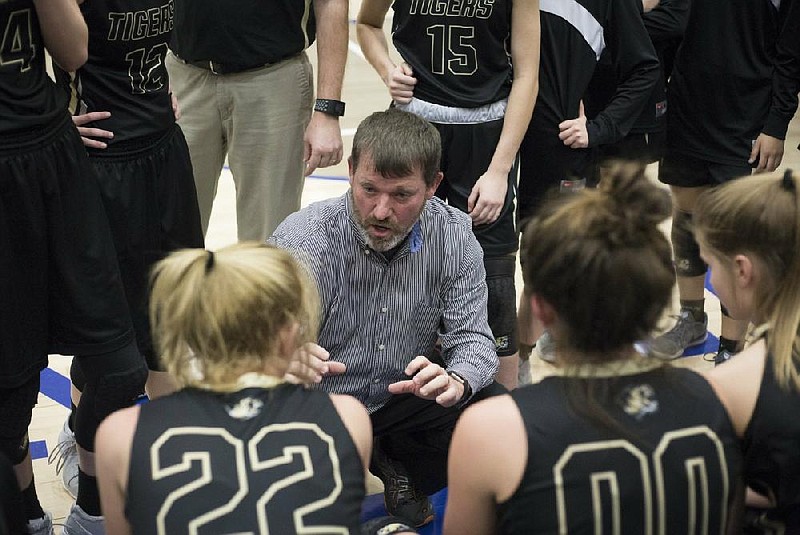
(671,468)
(277,461)
(28,98)
(125,73)
(459,50)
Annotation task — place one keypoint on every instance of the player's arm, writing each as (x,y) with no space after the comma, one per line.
(399,79)
(487,459)
(64,31)
(637,69)
(323,137)
(487,198)
(113,457)
(356,420)
(768,147)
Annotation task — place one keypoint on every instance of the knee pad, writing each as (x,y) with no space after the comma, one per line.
(15,448)
(113,381)
(76,375)
(16,410)
(685,248)
(502,303)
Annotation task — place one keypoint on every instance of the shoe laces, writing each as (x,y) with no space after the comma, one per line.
(682,326)
(61,454)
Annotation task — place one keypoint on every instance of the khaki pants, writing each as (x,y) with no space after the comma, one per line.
(257,118)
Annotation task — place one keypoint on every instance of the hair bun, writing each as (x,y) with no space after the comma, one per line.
(634,197)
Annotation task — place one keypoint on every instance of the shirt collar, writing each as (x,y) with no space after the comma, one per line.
(414,240)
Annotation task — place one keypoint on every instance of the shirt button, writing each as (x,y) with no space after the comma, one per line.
(381,347)
(376,380)
(366,251)
(384,309)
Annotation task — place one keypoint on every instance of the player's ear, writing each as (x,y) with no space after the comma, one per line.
(542,310)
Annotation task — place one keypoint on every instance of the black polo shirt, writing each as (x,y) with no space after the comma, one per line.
(244,33)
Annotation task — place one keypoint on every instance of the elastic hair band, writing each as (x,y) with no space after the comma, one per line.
(788,181)
(209,261)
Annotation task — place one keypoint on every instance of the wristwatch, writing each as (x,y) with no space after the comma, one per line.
(329,106)
(467,389)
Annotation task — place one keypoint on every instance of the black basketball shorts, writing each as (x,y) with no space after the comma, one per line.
(150,197)
(467,150)
(690,172)
(60,285)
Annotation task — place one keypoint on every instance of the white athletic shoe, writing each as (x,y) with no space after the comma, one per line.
(78,522)
(65,455)
(545,348)
(524,372)
(41,526)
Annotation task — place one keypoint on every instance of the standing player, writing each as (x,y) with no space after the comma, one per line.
(236,450)
(732,95)
(59,278)
(749,233)
(665,22)
(616,442)
(557,146)
(121,100)
(459,60)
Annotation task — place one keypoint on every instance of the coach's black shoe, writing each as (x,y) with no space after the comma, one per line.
(400,496)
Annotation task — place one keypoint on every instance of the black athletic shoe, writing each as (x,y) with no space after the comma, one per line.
(723,355)
(400,496)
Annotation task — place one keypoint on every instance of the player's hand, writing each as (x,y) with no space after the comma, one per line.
(310,364)
(323,142)
(89,135)
(768,151)
(176,109)
(429,381)
(487,198)
(401,82)
(649,5)
(573,131)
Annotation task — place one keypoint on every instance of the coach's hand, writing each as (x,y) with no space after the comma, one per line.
(768,151)
(429,381)
(401,82)
(88,134)
(310,363)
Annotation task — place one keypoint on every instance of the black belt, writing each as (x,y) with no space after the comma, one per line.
(224,68)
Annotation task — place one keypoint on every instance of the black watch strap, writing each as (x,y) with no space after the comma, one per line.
(329,106)
(467,389)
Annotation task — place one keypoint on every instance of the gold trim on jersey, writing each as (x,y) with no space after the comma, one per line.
(615,368)
(304,23)
(247,380)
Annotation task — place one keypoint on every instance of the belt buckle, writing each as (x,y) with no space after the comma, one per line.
(212,69)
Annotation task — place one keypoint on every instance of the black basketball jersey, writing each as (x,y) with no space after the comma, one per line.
(575,33)
(772,443)
(277,461)
(726,86)
(28,97)
(125,73)
(671,468)
(459,50)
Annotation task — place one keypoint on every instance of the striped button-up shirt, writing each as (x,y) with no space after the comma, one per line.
(378,314)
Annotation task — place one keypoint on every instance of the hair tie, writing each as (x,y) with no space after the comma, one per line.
(209,261)
(788,181)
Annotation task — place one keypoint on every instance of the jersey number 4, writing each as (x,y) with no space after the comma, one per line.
(452,50)
(17,45)
(211,453)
